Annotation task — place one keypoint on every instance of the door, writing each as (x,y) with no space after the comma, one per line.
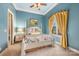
(10,27)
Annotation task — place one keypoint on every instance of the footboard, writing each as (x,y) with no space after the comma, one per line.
(34,43)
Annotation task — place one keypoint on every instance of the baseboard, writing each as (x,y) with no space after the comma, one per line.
(2,51)
(70,48)
(75,50)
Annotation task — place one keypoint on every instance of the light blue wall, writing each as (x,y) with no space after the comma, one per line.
(73,26)
(23,17)
(3,23)
(73,23)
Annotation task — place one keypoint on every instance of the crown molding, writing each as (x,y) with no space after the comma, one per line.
(34,12)
(40,13)
(19,9)
(51,8)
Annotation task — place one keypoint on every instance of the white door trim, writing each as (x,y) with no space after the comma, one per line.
(9,11)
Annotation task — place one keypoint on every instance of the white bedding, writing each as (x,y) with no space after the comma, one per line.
(36,41)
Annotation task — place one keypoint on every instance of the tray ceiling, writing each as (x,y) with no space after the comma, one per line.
(26,7)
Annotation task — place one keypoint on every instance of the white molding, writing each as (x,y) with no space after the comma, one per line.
(51,8)
(9,11)
(40,13)
(75,50)
(19,9)
(70,48)
(3,51)
(14,6)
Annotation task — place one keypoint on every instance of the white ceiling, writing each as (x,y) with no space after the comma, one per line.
(26,7)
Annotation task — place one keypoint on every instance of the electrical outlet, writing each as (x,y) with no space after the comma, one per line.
(0,49)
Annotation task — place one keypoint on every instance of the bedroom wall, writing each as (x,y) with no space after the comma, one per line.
(73,26)
(23,17)
(73,22)
(3,23)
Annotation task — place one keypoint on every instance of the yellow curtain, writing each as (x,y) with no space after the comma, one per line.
(61,18)
(50,24)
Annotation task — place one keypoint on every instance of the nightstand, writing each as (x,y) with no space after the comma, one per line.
(18,37)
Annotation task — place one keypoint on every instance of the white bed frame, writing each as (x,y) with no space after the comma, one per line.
(35,45)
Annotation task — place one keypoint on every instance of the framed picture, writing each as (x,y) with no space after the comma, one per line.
(33,22)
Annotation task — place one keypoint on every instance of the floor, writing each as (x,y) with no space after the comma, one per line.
(15,50)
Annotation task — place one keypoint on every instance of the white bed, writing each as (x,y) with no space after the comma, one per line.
(31,42)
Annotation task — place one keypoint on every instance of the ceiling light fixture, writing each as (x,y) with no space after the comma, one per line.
(38,5)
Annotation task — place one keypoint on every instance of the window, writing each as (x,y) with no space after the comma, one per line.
(55,27)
